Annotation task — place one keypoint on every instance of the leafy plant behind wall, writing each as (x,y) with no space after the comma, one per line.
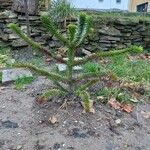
(76,35)
(61,10)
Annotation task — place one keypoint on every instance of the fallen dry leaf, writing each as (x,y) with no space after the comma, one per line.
(2,88)
(113,76)
(48,60)
(53,120)
(135,95)
(134,100)
(40,100)
(131,58)
(145,114)
(100,97)
(147,56)
(127,108)
(130,85)
(114,103)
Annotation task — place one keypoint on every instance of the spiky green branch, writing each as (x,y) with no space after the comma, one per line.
(33,44)
(51,76)
(52,29)
(87,102)
(51,93)
(87,85)
(76,36)
(132,49)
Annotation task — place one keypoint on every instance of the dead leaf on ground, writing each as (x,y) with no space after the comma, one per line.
(145,114)
(131,58)
(40,100)
(130,85)
(2,88)
(53,120)
(127,108)
(134,100)
(135,95)
(144,56)
(147,56)
(113,76)
(48,60)
(100,97)
(114,103)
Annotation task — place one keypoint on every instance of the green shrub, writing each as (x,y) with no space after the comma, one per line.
(61,10)
(71,82)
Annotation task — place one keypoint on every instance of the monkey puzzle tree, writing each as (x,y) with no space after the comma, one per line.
(71,83)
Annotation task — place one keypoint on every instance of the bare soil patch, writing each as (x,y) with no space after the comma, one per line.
(24,124)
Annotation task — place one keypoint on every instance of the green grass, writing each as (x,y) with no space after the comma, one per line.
(4,49)
(91,68)
(137,70)
(134,70)
(120,95)
(38,61)
(21,82)
(105,17)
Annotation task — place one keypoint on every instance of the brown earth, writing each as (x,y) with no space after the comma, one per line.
(24,124)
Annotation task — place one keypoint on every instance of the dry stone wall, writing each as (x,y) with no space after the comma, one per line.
(118,34)
(5,4)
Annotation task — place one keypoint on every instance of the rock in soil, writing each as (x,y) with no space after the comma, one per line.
(13,74)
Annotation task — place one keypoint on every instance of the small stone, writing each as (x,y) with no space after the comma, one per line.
(13,36)
(71,148)
(63,144)
(40,121)
(18,43)
(63,67)
(9,124)
(56,146)
(13,74)
(19,147)
(118,121)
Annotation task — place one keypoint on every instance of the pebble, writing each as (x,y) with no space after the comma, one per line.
(118,121)
(19,147)
(63,144)
(9,124)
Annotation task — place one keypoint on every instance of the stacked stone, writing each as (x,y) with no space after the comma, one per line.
(38,33)
(6,34)
(5,4)
(132,32)
(119,34)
